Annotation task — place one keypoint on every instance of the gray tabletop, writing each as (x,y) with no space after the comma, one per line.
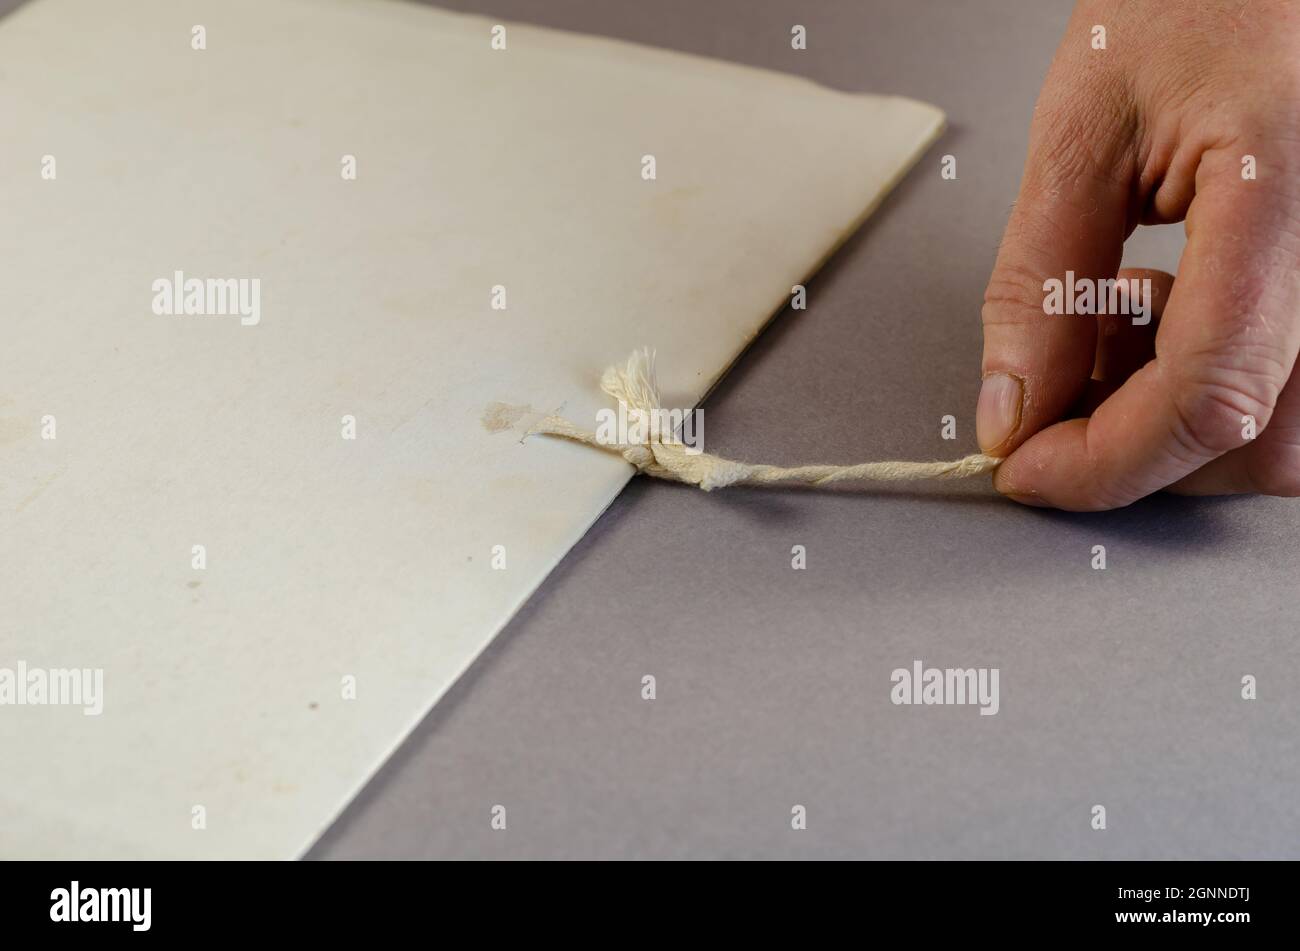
(1119,687)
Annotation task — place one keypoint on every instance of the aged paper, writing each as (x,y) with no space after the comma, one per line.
(284,281)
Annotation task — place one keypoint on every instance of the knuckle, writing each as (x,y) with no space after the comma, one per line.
(1075,152)
(1083,139)
(1210,413)
(1013,291)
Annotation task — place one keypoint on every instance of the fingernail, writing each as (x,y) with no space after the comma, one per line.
(998,413)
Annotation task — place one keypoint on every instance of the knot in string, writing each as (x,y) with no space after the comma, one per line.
(661,455)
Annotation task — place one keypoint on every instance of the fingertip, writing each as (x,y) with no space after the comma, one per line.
(1006,483)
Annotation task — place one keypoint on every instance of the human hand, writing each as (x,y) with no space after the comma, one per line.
(1163,125)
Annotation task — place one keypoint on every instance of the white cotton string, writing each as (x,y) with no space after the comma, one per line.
(635,386)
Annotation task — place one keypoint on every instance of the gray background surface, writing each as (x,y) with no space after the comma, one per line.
(1118,687)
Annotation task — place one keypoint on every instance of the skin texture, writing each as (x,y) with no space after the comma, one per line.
(1094,412)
